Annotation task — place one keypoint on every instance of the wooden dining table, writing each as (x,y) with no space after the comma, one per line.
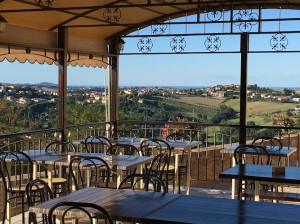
(161,208)
(122,162)
(178,147)
(262,174)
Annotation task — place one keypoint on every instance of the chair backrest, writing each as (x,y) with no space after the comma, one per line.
(158,165)
(37,191)
(84,212)
(58,146)
(251,154)
(123,149)
(88,172)
(273,143)
(149,183)
(96,144)
(17,169)
(152,147)
(178,137)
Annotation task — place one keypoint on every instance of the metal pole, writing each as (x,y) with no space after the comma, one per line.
(113,86)
(243,87)
(62,81)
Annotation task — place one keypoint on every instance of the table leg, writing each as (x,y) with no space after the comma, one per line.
(257,190)
(49,173)
(35,168)
(176,190)
(233,181)
(188,175)
(119,176)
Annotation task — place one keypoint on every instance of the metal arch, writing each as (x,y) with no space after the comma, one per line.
(178,44)
(279,42)
(243,19)
(212,43)
(145,45)
(112,15)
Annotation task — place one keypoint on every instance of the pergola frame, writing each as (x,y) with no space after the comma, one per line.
(76,17)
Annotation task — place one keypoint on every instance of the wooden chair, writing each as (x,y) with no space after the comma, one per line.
(148,183)
(16,169)
(96,144)
(37,191)
(80,212)
(88,172)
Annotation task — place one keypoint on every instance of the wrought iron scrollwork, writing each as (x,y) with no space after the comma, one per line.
(178,44)
(159,29)
(44,3)
(214,15)
(279,42)
(244,19)
(212,43)
(112,15)
(145,45)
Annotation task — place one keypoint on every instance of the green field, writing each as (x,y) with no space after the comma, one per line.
(258,111)
(201,101)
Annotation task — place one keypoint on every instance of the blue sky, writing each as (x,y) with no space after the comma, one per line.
(270,70)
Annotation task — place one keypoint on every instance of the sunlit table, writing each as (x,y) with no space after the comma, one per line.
(261,174)
(123,162)
(178,147)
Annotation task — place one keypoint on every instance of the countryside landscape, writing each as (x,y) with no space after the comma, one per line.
(36,105)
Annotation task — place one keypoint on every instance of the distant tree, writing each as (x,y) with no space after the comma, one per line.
(224,113)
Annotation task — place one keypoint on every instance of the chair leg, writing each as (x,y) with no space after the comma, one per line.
(23,208)
(4,211)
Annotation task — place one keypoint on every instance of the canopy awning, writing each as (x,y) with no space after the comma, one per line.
(31,31)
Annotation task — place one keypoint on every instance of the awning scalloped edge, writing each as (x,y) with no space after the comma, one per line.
(22,55)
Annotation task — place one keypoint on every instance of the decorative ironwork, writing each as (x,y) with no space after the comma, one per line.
(145,45)
(44,3)
(244,19)
(112,15)
(178,44)
(214,15)
(159,29)
(212,43)
(279,42)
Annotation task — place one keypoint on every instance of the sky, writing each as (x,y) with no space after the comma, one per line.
(264,69)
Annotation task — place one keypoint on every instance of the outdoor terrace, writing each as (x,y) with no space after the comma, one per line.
(207,161)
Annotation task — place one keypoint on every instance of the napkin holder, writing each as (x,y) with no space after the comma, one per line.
(280,170)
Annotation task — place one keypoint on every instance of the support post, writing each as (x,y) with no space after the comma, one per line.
(113,87)
(62,81)
(243,87)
